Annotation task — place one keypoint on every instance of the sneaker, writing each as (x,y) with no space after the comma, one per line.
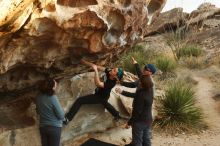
(65,121)
(124,117)
(130,144)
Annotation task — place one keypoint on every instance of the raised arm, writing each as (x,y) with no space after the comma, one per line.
(100,68)
(137,67)
(98,83)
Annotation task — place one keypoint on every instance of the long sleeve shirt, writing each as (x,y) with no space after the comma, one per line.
(50,111)
(143,100)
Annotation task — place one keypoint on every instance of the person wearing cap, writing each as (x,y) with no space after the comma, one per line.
(102,92)
(141,118)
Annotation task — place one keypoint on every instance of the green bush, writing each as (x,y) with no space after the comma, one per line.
(166,64)
(177,110)
(189,50)
(142,57)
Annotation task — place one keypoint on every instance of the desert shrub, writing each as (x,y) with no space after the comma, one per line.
(188,50)
(177,110)
(193,62)
(166,64)
(176,38)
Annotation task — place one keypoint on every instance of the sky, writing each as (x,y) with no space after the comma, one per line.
(188,5)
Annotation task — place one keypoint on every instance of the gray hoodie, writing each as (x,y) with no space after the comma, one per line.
(50,111)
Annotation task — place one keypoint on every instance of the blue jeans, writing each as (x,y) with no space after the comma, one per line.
(50,135)
(141,134)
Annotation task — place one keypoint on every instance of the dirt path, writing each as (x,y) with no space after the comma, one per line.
(210,137)
(207,103)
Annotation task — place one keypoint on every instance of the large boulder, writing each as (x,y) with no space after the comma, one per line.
(40,39)
(50,37)
(167,21)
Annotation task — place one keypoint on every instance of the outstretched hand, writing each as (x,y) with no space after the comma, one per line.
(133,61)
(83,61)
(94,67)
(86,62)
(127,126)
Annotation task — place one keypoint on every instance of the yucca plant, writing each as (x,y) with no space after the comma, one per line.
(177,110)
(166,64)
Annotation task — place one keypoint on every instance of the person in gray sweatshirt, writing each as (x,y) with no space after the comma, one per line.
(50,113)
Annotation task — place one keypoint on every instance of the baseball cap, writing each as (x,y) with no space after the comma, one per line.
(151,67)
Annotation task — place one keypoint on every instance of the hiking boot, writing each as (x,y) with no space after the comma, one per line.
(130,144)
(124,117)
(65,121)
(121,117)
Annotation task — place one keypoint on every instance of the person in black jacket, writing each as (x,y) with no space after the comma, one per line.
(141,118)
(102,92)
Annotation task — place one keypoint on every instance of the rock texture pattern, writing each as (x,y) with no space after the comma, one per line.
(50,37)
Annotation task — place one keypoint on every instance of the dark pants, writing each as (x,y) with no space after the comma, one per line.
(90,99)
(141,134)
(50,135)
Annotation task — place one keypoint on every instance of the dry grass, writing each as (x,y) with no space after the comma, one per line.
(193,62)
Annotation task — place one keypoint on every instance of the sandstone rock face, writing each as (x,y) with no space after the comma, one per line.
(47,38)
(41,39)
(167,21)
(206,16)
(204,11)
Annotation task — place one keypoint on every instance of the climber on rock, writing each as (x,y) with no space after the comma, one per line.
(102,92)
